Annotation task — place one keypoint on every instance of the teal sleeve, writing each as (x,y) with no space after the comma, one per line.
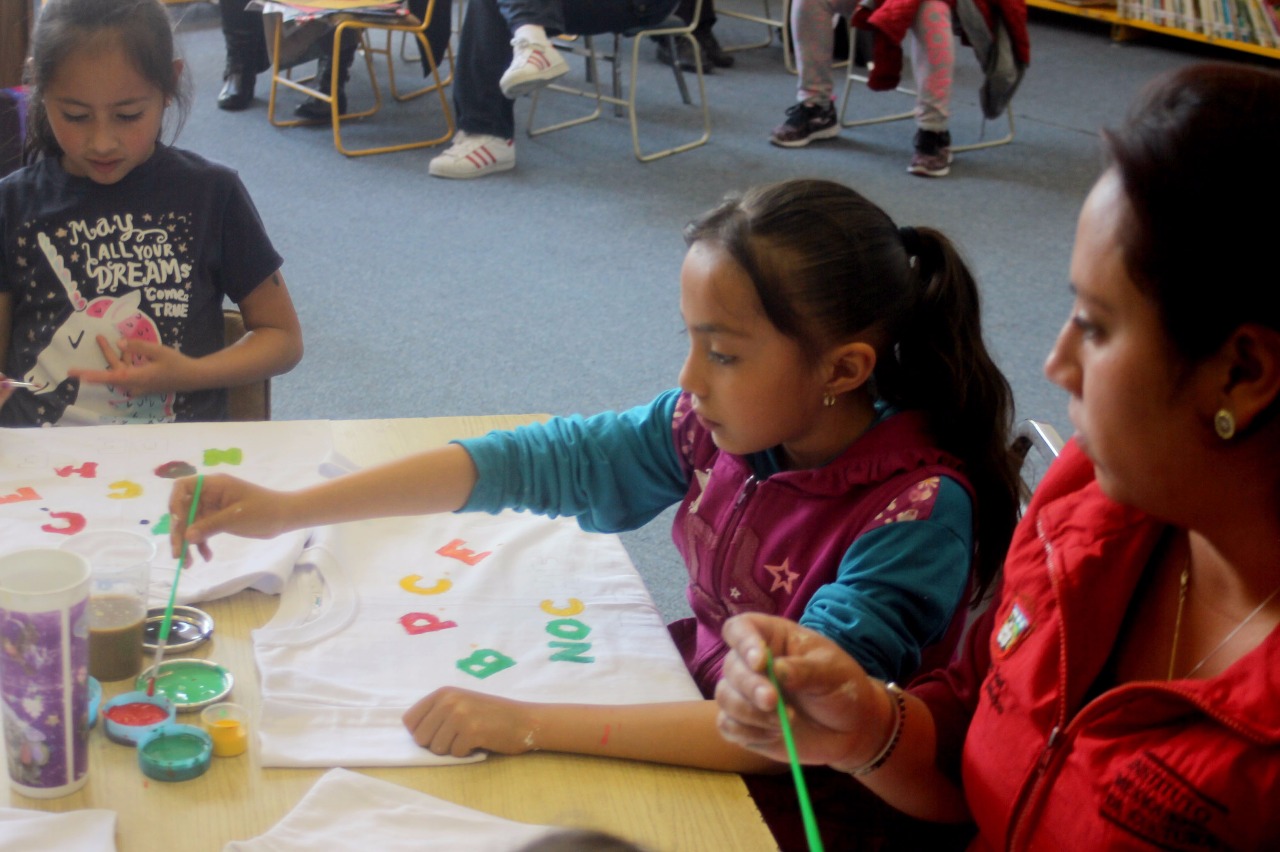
(899,586)
(613,471)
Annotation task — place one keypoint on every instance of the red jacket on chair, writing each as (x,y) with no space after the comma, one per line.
(996,29)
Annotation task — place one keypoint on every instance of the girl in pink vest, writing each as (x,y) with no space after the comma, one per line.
(837,449)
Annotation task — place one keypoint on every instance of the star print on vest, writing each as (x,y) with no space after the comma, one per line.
(783,576)
(1015,627)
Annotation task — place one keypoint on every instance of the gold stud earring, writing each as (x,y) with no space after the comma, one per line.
(1224,424)
(828,399)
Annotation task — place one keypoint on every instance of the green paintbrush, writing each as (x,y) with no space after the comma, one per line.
(797,774)
(163,638)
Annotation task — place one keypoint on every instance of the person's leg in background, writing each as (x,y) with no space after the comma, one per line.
(485,117)
(712,52)
(439,30)
(503,52)
(813,116)
(933,57)
(246,54)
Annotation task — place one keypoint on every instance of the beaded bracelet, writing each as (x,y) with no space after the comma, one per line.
(900,699)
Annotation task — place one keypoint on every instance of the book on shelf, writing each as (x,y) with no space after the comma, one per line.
(1249,21)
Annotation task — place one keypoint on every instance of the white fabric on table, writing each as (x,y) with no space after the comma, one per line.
(22,830)
(349,811)
(124,492)
(339,668)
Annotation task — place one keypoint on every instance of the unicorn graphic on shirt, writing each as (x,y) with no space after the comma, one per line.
(74,344)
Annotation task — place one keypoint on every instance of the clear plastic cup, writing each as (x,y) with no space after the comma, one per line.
(121,564)
(228,727)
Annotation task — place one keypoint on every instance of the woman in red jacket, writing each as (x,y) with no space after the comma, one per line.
(1123,691)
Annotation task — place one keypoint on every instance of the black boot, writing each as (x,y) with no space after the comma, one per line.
(684,53)
(318,111)
(711,49)
(246,55)
(237,89)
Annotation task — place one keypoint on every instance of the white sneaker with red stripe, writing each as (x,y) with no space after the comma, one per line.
(534,64)
(474,155)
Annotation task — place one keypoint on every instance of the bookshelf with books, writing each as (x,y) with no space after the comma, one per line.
(1252,26)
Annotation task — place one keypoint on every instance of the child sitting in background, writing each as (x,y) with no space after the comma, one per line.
(838,421)
(118,250)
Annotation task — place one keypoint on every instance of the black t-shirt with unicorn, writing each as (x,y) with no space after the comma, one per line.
(150,258)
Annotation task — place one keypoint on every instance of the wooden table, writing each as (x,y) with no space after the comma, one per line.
(661,807)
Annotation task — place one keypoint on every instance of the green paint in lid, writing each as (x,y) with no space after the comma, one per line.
(190,684)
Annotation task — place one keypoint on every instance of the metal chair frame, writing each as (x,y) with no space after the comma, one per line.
(855,77)
(1029,435)
(409,28)
(592,59)
(1044,439)
(780,25)
(406,39)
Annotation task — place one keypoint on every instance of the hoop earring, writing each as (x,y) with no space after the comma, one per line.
(828,399)
(1224,424)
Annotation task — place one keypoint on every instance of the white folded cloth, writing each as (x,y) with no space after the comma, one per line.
(22,830)
(349,811)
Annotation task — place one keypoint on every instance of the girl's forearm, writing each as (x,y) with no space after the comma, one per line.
(681,734)
(259,355)
(438,480)
(271,346)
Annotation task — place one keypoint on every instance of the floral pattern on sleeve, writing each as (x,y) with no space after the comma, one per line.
(913,504)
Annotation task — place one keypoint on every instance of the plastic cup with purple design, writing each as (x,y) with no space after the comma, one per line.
(44,670)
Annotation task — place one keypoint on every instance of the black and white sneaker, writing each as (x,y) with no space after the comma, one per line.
(933,154)
(806,123)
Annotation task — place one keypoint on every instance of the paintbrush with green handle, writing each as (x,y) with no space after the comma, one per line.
(163,638)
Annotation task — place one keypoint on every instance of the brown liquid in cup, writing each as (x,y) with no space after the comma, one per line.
(115,637)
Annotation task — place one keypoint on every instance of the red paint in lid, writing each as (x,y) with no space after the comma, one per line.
(137,713)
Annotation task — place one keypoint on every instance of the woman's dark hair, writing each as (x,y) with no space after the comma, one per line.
(141,28)
(828,267)
(1190,242)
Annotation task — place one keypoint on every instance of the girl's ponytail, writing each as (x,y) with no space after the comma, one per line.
(940,365)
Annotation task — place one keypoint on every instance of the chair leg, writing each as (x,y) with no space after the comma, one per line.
(436,86)
(702,95)
(279,77)
(989,143)
(391,68)
(592,73)
(677,70)
(629,101)
(902,116)
(282,78)
(617,75)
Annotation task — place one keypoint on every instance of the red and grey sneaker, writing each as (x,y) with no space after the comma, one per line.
(933,154)
(807,122)
(474,155)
